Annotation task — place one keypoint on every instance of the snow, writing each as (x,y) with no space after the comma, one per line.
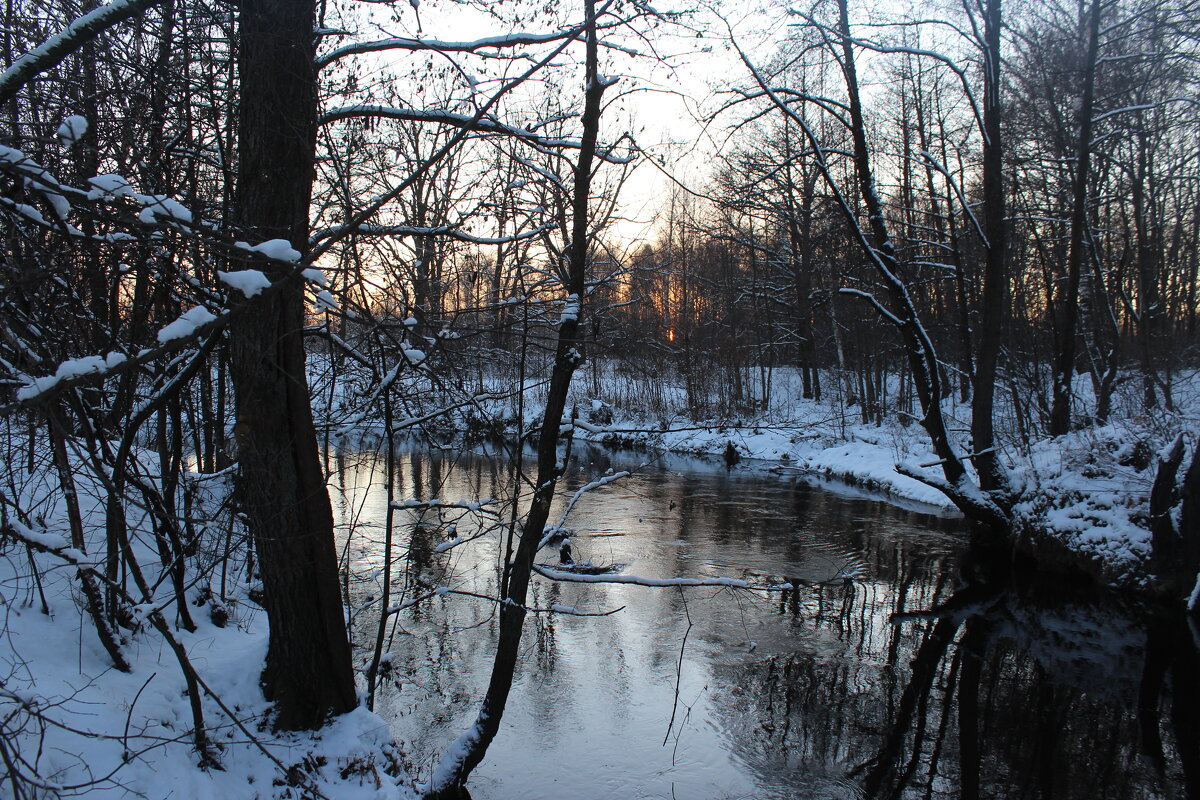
(186,324)
(36,178)
(69,369)
(11,155)
(450,545)
(274,249)
(571,310)
(109,185)
(249,282)
(1073,490)
(60,204)
(317,276)
(71,130)
(504,40)
(156,206)
(454,755)
(136,727)
(1076,488)
(51,541)
(467,121)
(52,49)
(29,212)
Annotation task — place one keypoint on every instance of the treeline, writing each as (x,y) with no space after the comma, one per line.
(1100,177)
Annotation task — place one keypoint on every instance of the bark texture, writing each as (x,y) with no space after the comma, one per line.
(308,673)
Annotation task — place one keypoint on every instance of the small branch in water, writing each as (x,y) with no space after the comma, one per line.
(554,608)
(577,577)
(678,668)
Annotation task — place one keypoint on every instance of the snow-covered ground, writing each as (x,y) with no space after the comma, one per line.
(72,724)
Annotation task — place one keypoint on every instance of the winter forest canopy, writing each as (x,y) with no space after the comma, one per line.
(945,252)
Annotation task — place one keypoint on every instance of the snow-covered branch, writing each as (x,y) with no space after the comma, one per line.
(614,577)
(447,231)
(52,51)
(870,298)
(554,530)
(46,543)
(1144,107)
(504,41)
(476,122)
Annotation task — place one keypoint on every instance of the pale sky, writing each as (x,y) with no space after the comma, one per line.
(660,98)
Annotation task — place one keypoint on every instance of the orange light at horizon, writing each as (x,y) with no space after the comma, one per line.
(670,334)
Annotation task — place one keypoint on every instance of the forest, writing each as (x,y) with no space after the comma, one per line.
(658,293)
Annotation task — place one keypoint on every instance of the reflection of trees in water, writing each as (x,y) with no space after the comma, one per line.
(987,694)
(978,693)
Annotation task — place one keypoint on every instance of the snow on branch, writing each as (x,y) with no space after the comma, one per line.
(879,308)
(435,503)
(932,162)
(578,577)
(501,42)
(68,370)
(52,51)
(448,231)
(464,121)
(476,122)
(1143,107)
(176,335)
(45,542)
(554,530)
(970,499)
(373,207)
(39,179)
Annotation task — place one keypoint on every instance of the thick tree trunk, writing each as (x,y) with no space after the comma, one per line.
(1189,523)
(877,240)
(308,672)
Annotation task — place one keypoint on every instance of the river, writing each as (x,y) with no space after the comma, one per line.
(899,665)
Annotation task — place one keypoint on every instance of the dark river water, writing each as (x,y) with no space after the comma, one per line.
(900,665)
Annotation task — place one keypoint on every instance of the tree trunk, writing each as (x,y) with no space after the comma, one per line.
(878,243)
(1064,368)
(466,753)
(994,312)
(308,672)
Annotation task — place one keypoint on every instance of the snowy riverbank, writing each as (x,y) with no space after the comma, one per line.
(70,723)
(1083,500)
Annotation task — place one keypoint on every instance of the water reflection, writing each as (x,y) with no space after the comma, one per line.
(994,691)
(923,675)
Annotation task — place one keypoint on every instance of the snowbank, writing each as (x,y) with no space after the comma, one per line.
(76,725)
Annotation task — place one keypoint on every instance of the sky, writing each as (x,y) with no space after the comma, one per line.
(663,96)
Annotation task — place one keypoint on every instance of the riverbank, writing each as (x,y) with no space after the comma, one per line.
(1083,499)
(72,724)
